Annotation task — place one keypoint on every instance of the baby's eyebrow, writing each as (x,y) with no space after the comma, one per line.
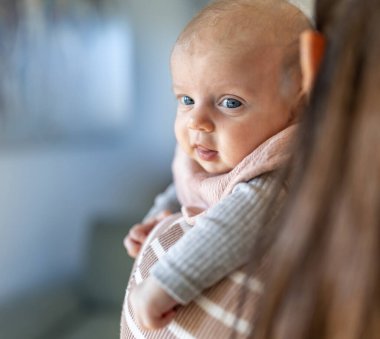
(178,87)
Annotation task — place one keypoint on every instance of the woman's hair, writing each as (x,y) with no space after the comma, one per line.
(324,278)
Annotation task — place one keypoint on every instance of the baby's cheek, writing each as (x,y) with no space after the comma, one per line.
(178,127)
(240,146)
(181,134)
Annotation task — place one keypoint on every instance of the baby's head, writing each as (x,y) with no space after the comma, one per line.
(237,78)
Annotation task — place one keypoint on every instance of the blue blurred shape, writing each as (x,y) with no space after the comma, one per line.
(65,75)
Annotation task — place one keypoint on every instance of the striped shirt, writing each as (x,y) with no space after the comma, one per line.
(219,243)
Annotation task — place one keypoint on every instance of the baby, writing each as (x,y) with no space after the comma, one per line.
(238,82)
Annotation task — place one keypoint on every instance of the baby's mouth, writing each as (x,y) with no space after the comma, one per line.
(205,154)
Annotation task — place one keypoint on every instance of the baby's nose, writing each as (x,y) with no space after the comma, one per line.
(200,121)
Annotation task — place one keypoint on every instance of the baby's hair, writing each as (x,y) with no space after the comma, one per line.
(277,19)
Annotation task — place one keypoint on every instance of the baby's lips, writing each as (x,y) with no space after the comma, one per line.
(206,153)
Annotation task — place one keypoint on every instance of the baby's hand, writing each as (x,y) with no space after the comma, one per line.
(152,306)
(138,233)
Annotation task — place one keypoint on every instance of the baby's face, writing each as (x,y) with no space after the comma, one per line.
(228,104)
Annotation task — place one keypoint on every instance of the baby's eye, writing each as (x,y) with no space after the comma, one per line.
(231,103)
(186,100)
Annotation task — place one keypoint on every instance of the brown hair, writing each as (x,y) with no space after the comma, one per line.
(324,279)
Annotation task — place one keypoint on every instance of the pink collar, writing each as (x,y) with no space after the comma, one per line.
(199,190)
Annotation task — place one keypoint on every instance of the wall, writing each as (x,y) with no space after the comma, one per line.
(50,193)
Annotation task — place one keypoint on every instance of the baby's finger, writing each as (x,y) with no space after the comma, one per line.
(158,323)
(168,317)
(137,234)
(140,231)
(125,241)
(133,248)
(147,226)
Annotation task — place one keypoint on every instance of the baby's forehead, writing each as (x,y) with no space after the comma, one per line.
(254,61)
(249,42)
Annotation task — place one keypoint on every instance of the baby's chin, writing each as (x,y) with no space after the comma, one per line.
(213,168)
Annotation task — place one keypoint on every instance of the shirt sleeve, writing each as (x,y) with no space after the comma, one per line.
(167,200)
(220,242)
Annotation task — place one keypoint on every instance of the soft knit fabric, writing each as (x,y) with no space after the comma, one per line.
(219,242)
(197,190)
(214,314)
(226,223)
(201,190)
(216,306)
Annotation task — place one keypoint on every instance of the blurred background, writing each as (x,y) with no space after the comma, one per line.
(86,141)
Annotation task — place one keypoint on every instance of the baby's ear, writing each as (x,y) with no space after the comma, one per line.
(312,50)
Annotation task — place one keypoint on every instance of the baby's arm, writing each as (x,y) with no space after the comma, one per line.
(164,204)
(224,236)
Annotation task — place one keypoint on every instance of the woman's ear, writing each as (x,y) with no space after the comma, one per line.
(312,49)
